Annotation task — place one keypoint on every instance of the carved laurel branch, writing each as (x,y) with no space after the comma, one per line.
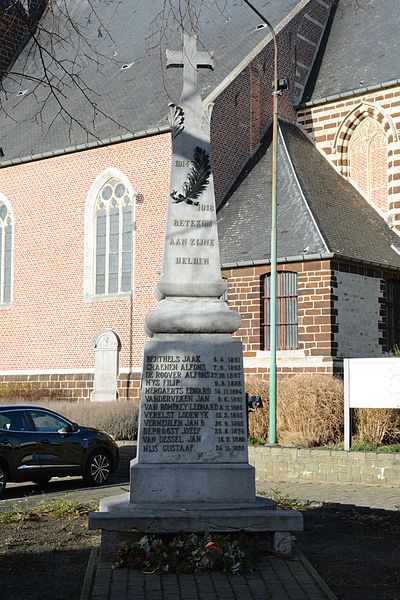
(197,178)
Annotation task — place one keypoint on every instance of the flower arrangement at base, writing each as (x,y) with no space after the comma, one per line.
(190,553)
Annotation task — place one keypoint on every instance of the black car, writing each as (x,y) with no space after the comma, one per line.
(37,444)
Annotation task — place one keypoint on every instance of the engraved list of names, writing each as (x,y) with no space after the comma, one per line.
(192,405)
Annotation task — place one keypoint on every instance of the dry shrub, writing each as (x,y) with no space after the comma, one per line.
(120,419)
(310,410)
(258,419)
(377,425)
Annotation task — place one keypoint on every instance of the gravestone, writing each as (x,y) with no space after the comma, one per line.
(106,347)
(191,472)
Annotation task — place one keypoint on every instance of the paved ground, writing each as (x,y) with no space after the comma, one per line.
(371,496)
(276,579)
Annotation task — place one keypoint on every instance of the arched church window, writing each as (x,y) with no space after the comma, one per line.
(368,162)
(5,252)
(113,233)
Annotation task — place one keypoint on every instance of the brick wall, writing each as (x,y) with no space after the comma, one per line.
(316,317)
(15,27)
(68,386)
(358,314)
(341,313)
(314,464)
(243,109)
(332,125)
(49,324)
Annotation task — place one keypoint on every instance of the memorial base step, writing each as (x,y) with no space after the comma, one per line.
(123,521)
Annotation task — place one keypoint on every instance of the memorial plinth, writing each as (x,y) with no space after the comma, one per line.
(191,472)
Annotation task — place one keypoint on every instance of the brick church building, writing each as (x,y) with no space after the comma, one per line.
(84,185)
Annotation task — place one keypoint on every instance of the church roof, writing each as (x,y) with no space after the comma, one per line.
(311,195)
(129,83)
(360,49)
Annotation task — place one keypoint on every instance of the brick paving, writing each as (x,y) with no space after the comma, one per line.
(274,579)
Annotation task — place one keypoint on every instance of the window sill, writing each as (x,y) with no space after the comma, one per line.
(281,353)
(109,297)
(7,306)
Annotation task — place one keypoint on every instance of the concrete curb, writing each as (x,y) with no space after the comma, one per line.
(90,573)
(315,575)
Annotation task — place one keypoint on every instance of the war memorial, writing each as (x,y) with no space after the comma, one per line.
(191,473)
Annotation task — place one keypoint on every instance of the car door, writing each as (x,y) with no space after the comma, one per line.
(18,444)
(61,449)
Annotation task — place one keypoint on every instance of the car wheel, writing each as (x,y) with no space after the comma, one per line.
(3,480)
(98,468)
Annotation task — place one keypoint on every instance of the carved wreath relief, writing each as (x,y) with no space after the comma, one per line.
(197,178)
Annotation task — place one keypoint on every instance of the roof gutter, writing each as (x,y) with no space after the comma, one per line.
(164,129)
(88,146)
(307,258)
(350,94)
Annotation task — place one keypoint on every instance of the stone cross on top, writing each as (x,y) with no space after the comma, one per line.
(190,59)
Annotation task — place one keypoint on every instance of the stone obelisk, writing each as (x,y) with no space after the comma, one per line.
(191,472)
(192,431)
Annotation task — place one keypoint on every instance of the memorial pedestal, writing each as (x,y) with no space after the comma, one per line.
(191,472)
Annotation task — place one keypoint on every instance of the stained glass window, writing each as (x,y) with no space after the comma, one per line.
(113,239)
(5,253)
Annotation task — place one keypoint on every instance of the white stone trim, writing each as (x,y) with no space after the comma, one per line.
(64,371)
(306,40)
(302,65)
(7,203)
(47,372)
(246,61)
(363,106)
(324,4)
(89,270)
(286,358)
(314,21)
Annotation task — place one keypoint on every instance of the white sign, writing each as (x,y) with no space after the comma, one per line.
(369,383)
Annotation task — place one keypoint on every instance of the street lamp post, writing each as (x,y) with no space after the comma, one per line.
(272,369)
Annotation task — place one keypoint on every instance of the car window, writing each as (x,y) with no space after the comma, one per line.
(45,421)
(14,420)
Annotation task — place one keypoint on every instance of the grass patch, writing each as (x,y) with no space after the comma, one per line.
(60,508)
(283,502)
(365,447)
